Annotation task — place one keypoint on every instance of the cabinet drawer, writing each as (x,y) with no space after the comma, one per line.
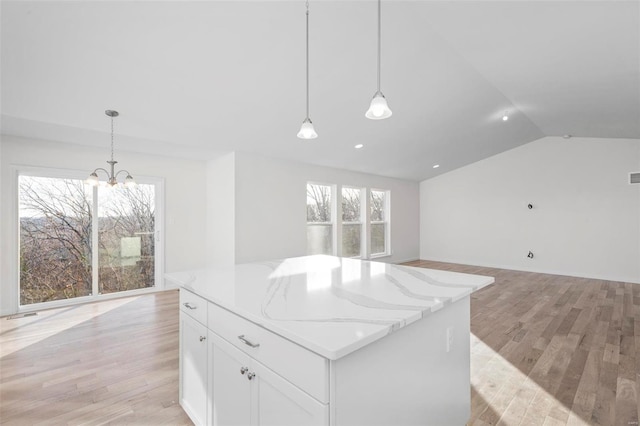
(305,369)
(194,306)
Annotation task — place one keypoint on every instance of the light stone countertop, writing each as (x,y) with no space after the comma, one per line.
(329,305)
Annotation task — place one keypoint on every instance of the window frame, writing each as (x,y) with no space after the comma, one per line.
(386,222)
(362,222)
(59,173)
(334,211)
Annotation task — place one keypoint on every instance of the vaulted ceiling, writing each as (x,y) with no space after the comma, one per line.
(194,79)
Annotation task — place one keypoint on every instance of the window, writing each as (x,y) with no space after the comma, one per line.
(319,223)
(362,228)
(351,222)
(77,241)
(379,222)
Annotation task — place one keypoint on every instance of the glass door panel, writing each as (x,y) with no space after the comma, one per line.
(126,238)
(55,239)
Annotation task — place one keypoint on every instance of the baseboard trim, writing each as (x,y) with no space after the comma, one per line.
(535,270)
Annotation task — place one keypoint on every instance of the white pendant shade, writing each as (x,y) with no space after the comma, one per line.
(378,109)
(307,131)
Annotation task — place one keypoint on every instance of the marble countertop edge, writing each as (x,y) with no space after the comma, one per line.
(284,298)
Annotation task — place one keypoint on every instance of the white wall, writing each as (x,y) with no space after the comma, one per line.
(270,207)
(185,203)
(585,220)
(221,210)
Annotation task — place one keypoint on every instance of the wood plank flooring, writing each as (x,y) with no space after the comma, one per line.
(111,362)
(546,350)
(553,350)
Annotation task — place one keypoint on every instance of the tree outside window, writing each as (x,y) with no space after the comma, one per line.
(351,222)
(319,223)
(58,248)
(379,222)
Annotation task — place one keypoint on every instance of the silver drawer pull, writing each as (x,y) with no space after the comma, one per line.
(248,342)
(243,370)
(189,306)
(202,338)
(250,376)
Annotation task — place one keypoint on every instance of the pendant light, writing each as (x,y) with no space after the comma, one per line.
(306,130)
(111,175)
(378,109)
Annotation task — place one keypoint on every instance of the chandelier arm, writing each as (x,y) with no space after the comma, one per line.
(102,170)
(122,171)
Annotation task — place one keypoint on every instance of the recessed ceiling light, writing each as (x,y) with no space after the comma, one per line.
(358,146)
(505,117)
(435,166)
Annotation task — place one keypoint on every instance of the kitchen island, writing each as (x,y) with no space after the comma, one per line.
(321,340)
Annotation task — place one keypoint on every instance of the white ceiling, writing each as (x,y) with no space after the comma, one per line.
(193,79)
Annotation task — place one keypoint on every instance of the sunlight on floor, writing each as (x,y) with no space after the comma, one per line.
(503,388)
(51,322)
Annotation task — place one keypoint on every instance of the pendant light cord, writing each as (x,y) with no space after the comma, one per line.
(379,50)
(307,59)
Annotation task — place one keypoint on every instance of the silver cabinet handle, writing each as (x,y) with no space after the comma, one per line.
(202,338)
(189,306)
(243,370)
(248,342)
(250,376)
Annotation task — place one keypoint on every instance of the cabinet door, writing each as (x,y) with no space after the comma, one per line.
(281,403)
(193,368)
(231,387)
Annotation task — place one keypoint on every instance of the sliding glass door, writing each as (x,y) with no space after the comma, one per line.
(55,239)
(126,238)
(68,251)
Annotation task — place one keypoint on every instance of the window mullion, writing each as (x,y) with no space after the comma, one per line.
(366,219)
(387,222)
(95,271)
(337,220)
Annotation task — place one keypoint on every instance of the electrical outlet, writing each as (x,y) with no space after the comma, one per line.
(449,339)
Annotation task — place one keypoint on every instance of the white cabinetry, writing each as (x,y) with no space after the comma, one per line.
(230,387)
(236,373)
(245,392)
(193,357)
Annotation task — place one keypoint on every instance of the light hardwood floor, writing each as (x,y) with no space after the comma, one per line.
(553,350)
(546,350)
(111,362)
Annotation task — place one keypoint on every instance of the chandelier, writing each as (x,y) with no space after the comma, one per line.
(112,175)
